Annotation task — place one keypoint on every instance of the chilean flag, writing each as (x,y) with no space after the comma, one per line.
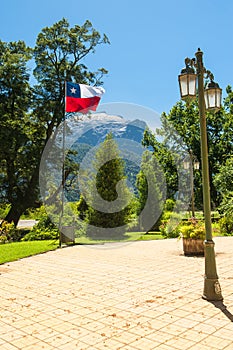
(82,98)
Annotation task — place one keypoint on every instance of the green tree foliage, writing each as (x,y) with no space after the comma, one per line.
(181,129)
(17,147)
(183,120)
(30,114)
(58,55)
(111,204)
(165,159)
(223,182)
(152,192)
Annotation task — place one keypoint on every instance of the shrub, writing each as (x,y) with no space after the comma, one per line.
(3,239)
(80,228)
(4,208)
(169,205)
(34,213)
(8,232)
(226,225)
(39,234)
(169,224)
(44,230)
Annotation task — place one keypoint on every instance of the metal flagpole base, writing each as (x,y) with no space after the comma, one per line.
(212,289)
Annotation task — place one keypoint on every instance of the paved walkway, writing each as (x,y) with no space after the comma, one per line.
(143,295)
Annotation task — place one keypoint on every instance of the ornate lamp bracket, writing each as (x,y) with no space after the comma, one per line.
(189,65)
(209,75)
(192,66)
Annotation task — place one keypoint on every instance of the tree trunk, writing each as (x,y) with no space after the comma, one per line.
(14,214)
(25,200)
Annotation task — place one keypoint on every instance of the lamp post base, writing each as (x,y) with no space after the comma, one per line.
(212,290)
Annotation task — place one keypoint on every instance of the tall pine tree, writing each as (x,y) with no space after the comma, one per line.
(151,186)
(109,198)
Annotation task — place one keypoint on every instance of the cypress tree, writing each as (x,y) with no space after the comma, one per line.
(109,198)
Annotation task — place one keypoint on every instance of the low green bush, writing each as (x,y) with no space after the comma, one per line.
(169,224)
(4,208)
(226,225)
(44,230)
(8,232)
(39,235)
(169,205)
(34,213)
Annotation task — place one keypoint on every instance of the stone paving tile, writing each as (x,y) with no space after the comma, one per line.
(224,333)
(77,333)
(8,346)
(180,343)
(109,344)
(58,340)
(160,336)
(12,335)
(228,347)
(144,343)
(127,347)
(163,347)
(201,347)
(39,346)
(24,341)
(133,296)
(216,342)
(75,344)
(125,337)
(194,335)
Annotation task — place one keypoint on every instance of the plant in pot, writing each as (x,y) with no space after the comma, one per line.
(192,233)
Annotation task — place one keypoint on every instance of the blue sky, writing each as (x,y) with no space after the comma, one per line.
(149,41)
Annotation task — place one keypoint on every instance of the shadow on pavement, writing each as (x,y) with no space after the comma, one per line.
(223,308)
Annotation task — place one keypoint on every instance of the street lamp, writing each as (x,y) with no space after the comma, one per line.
(194,166)
(212,97)
(187,81)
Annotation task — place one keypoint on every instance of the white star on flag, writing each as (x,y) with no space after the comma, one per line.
(73,90)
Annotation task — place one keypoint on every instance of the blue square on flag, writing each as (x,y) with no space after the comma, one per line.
(73,90)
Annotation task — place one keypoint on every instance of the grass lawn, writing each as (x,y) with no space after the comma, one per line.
(18,250)
(130,236)
(14,251)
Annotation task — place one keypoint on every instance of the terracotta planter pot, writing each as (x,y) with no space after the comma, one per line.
(193,246)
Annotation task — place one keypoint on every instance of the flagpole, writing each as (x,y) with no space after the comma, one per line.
(92,94)
(63,169)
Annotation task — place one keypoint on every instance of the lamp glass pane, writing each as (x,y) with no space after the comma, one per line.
(192,84)
(210,98)
(183,85)
(206,99)
(196,165)
(186,164)
(218,97)
(213,97)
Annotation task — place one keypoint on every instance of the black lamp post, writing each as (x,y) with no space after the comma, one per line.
(209,98)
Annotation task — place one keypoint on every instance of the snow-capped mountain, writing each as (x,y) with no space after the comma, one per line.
(84,134)
(93,130)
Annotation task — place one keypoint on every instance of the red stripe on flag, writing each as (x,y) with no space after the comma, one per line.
(83,105)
